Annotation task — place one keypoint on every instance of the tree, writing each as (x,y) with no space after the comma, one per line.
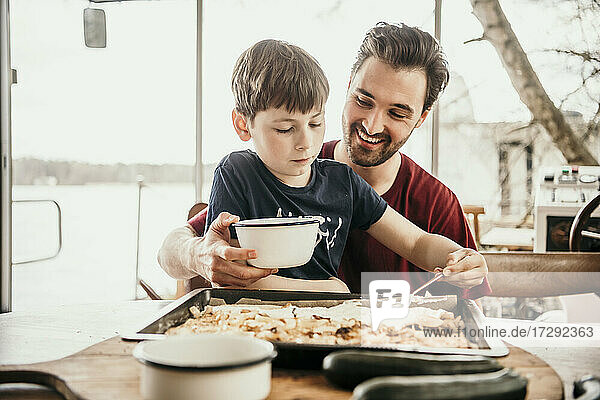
(498,31)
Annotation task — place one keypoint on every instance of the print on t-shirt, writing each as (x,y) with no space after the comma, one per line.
(322,234)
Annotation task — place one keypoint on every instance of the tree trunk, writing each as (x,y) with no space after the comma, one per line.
(497,31)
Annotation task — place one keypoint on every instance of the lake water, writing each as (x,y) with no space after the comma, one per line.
(98,256)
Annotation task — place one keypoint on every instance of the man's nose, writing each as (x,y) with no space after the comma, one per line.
(373,123)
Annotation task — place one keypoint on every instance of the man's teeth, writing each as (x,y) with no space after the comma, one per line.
(367,138)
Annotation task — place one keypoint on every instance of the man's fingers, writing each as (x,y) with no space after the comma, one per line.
(222,222)
(241,271)
(223,279)
(230,253)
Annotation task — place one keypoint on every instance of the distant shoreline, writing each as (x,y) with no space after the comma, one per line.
(32,171)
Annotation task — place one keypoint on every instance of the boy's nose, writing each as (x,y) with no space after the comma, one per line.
(304,140)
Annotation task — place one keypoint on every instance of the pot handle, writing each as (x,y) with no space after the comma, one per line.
(587,388)
(319,237)
(39,378)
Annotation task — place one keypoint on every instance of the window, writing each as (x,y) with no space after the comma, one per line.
(86,123)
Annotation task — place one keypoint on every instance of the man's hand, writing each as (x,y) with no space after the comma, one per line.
(465,268)
(224,265)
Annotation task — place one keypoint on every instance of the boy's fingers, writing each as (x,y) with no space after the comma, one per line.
(469,259)
(457,255)
(469,283)
(461,266)
(472,274)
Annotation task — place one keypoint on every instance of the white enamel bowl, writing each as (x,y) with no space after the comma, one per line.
(281,242)
(206,366)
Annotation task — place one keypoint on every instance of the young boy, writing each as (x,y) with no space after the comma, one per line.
(280,92)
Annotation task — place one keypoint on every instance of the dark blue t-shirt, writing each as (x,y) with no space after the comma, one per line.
(243,186)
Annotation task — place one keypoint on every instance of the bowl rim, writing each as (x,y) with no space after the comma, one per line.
(138,353)
(272,222)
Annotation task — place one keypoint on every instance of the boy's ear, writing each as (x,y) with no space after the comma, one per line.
(240,125)
(422,118)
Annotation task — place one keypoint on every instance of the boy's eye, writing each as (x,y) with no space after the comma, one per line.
(315,125)
(284,130)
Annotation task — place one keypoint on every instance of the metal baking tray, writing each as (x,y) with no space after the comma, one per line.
(304,355)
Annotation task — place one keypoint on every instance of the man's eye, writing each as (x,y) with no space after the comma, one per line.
(396,115)
(362,103)
(283,130)
(315,125)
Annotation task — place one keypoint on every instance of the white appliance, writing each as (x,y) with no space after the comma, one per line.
(561,193)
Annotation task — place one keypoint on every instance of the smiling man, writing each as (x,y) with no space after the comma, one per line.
(398,75)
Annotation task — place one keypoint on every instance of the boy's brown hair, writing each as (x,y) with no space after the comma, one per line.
(274,73)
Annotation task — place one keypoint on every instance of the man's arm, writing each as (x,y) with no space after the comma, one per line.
(463,267)
(184,255)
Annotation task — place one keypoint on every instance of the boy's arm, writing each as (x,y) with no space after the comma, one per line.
(462,267)
(282,283)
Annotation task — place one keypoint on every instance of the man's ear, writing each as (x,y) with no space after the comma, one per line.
(422,118)
(240,125)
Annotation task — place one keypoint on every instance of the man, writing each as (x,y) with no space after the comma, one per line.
(397,77)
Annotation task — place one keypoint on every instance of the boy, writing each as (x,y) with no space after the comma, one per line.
(280,92)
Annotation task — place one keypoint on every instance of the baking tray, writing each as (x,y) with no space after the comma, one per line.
(304,355)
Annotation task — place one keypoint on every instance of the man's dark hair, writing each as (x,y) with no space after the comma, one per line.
(407,48)
(274,73)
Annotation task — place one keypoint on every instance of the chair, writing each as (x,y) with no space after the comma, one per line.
(475,211)
(149,291)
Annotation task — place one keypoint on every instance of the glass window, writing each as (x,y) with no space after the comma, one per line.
(86,123)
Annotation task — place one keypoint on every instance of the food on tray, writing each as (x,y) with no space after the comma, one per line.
(347,324)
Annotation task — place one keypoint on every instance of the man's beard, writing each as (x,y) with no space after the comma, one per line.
(369,158)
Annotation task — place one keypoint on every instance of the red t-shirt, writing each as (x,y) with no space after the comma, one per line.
(422,199)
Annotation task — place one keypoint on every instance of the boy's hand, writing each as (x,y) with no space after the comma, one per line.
(465,268)
(216,260)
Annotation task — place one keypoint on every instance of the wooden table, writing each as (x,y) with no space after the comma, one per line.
(52,333)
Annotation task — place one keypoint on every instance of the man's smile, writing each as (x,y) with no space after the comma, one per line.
(367,141)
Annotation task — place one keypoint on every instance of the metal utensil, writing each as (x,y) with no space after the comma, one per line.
(438,275)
